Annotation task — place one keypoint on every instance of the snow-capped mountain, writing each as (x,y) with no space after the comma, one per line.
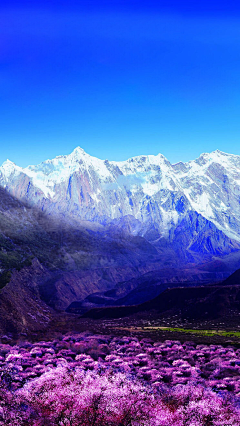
(165,224)
(158,194)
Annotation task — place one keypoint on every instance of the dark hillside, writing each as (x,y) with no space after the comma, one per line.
(206,302)
(234,279)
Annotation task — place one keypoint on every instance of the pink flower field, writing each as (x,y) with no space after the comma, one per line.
(96,380)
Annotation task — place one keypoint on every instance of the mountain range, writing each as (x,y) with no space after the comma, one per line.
(156,193)
(96,232)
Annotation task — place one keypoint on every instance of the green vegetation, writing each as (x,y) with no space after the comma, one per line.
(12,260)
(5,278)
(199,331)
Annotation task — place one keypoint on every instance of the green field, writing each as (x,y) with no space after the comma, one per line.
(200,332)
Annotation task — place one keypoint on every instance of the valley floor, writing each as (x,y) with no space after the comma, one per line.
(118,380)
(224,331)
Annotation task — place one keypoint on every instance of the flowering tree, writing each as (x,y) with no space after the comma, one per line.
(133,384)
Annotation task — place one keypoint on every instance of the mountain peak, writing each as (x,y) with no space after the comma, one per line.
(221,153)
(9,165)
(8,162)
(78,151)
(214,156)
(8,168)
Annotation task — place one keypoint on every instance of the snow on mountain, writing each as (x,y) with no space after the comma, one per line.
(151,189)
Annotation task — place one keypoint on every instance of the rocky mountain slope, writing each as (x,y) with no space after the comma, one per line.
(106,232)
(157,194)
(47,263)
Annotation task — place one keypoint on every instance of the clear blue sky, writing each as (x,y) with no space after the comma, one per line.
(119,78)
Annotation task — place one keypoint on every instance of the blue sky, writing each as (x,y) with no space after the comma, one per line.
(118,78)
